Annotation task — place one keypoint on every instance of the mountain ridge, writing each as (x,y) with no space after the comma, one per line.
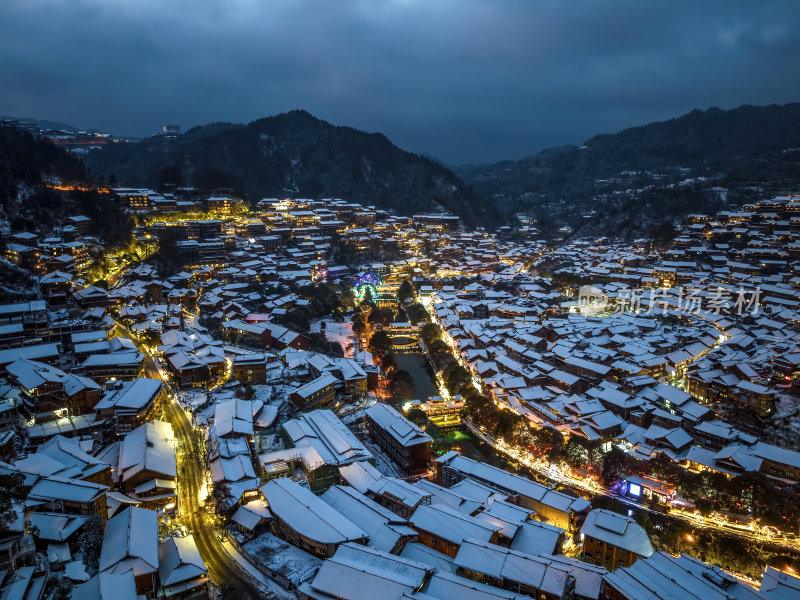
(296,153)
(29,165)
(637,168)
(625,183)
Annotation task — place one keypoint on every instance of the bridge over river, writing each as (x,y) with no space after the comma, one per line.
(402,344)
(411,357)
(405,337)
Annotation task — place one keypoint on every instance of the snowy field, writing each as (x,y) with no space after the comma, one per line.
(281,557)
(383,463)
(337,332)
(269,588)
(783,425)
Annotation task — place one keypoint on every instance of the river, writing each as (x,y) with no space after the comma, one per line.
(417,366)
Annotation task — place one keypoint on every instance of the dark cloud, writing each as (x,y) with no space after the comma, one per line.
(465,80)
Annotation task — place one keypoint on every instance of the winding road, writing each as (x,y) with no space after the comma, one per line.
(222,568)
(763,535)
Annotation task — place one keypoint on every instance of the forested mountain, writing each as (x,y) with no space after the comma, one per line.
(295,154)
(631,181)
(41,123)
(29,166)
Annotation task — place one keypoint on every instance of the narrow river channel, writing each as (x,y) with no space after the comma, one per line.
(417,366)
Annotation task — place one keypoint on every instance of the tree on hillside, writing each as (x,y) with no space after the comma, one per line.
(429,333)
(442,355)
(11,488)
(359,324)
(401,385)
(389,362)
(416,313)
(324,298)
(506,425)
(298,319)
(577,455)
(168,257)
(405,292)
(614,465)
(417,416)
(90,541)
(549,441)
(220,497)
(456,378)
(169,178)
(663,234)
(62,588)
(205,374)
(347,299)
(379,343)
(381,316)
(319,343)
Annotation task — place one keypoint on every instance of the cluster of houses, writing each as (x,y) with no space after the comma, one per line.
(56,258)
(115,492)
(490,572)
(339,505)
(85,372)
(723,335)
(467,526)
(602,379)
(81,430)
(469,530)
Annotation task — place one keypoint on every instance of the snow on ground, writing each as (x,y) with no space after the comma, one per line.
(783,425)
(269,442)
(203,403)
(337,332)
(191,322)
(214,591)
(260,578)
(350,413)
(383,463)
(204,416)
(351,417)
(76,571)
(281,557)
(192,399)
(270,394)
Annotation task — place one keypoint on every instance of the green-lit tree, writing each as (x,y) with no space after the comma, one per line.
(368,299)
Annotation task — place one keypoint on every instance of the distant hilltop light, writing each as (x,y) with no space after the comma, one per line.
(171,129)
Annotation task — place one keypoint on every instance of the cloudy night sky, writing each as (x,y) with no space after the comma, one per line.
(463,80)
